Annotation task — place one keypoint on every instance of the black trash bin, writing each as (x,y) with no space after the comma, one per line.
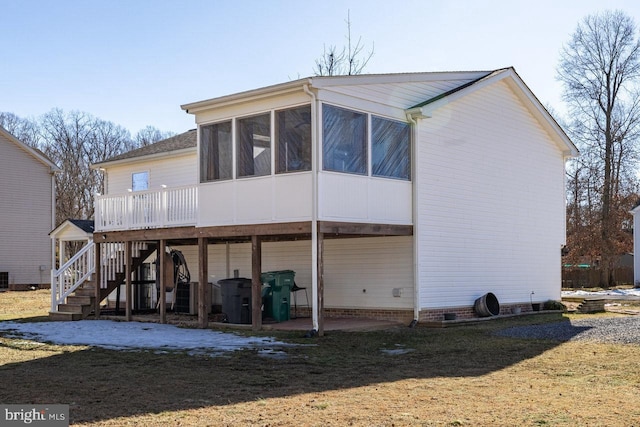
(236,299)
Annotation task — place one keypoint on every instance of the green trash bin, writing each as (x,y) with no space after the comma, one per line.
(278,301)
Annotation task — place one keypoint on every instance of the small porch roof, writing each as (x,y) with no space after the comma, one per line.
(74,230)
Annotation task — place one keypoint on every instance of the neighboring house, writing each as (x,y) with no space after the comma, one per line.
(27,214)
(399,196)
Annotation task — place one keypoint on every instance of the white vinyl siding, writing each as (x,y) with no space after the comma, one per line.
(375,264)
(25,216)
(490,202)
(172,172)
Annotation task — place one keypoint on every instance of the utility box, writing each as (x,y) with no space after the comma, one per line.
(277,301)
(236,299)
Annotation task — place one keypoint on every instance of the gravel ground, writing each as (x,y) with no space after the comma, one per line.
(621,330)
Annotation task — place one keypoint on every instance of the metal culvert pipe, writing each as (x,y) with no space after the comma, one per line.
(487,305)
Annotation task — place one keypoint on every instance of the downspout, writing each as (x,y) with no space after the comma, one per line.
(52,282)
(413,115)
(414,214)
(314,208)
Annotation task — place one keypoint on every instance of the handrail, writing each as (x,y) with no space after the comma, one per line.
(81,266)
(72,274)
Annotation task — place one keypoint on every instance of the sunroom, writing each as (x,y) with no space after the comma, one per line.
(279,168)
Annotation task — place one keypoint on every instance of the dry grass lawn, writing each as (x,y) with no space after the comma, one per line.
(460,376)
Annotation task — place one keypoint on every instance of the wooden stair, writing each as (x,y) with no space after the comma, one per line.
(591,306)
(80,304)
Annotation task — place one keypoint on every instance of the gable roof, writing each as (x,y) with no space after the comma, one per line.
(522,91)
(408,88)
(85,226)
(183,142)
(420,94)
(35,153)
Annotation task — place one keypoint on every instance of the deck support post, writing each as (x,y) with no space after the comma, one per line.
(127,269)
(98,280)
(320,301)
(162,259)
(203,282)
(256,283)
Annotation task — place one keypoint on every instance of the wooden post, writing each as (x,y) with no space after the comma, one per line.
(203,282)
(320,284)
(163,286)
(98,280)
(128,297)
(256,283)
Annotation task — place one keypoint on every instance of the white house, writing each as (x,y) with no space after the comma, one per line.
(398,196)
(27,215)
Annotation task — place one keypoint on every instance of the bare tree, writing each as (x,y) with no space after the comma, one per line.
(600,70)
(350,60)
(75,140)
(149,135)
(26,130)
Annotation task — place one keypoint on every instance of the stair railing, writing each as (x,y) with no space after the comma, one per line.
(72,274)
(81,266)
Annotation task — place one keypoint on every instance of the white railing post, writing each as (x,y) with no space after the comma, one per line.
(164,207)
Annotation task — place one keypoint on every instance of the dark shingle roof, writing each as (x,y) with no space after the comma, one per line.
(178,142)
(85,225)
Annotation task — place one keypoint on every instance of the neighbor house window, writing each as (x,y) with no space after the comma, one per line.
(344,145)
(215,152)
(140,181)
(390,148)
(4,280)
(253,146)
(293,140)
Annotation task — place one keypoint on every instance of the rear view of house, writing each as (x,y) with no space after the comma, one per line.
(398,196)
(27,214)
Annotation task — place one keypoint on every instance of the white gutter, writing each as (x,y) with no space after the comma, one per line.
(246,96)
(314,208)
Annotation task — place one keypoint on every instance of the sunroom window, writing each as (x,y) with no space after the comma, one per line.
(390,148)
(293,140)
(344,146)
(253,146)
(215,152)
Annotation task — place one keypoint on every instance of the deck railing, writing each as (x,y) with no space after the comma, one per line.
(168,207)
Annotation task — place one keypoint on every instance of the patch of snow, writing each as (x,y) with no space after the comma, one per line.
(136,336)
(616,292)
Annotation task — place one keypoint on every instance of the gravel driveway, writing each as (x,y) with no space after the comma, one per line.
(621,330)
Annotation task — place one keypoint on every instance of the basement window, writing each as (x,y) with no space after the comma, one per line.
(4,280)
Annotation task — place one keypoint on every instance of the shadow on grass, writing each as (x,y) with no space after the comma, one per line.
(102,384)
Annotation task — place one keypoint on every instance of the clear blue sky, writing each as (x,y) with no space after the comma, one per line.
(134,62)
